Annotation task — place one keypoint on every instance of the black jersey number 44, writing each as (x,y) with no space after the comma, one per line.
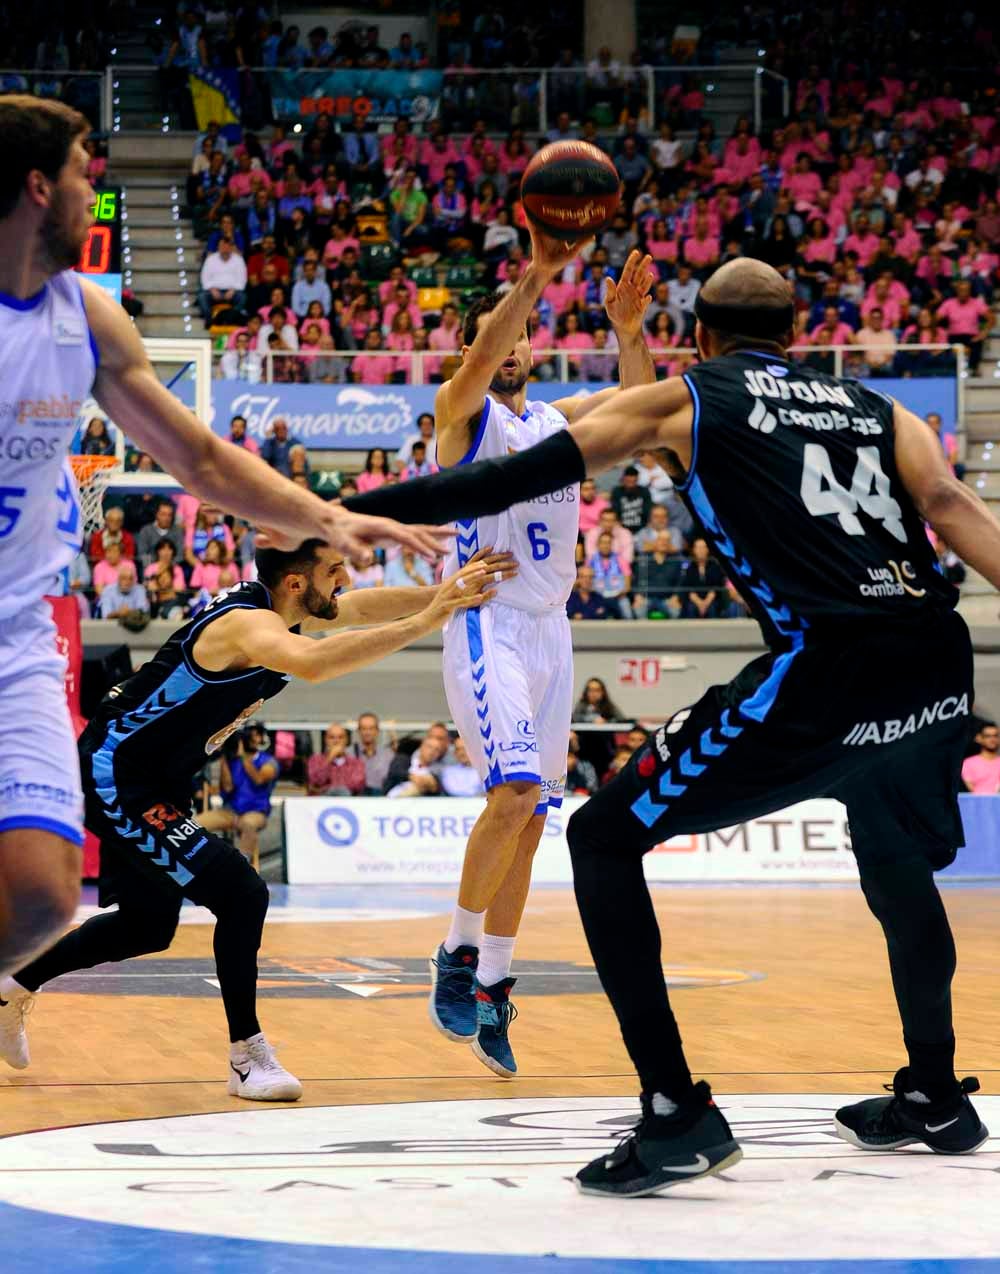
(793,477)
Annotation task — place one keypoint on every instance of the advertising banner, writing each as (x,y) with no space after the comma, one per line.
(356,417)
(378,95)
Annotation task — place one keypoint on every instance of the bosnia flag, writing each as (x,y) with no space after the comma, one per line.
(216,95)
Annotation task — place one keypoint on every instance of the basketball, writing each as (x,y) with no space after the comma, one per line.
(570,189)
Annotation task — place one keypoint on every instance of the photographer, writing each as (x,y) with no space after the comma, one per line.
(248,773)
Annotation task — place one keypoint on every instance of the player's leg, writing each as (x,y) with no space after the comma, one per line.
(489,696)
(249,826)
(144,922)
(41,807)
(905,825)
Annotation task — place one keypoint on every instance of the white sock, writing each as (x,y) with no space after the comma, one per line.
(239,1047)
(466,929)
(495,956)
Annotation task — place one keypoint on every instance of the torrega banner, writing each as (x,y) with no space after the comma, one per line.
(353,840)
(378,95)
(356,417)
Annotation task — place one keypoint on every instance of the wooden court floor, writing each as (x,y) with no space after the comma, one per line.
(784,989)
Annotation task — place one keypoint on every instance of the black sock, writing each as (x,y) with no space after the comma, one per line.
(117,935)
(620,924)
(904,898)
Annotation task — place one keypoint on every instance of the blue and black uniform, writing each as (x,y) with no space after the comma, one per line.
(865,693)
(138,756)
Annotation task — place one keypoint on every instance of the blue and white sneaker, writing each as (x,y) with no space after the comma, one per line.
(452,1004)
(496,1013)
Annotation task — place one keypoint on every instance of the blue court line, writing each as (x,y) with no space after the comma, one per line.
(37,1242)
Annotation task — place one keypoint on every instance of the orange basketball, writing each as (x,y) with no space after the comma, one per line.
(570,190)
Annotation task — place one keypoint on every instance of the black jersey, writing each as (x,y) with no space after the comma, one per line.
(793,477)
(154,732)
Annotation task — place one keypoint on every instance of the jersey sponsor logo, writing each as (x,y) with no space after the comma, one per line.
(897,728)
(519,745)
(19,447)
(159,816)
(813,393)
(220,736)
(13,790)
(891,581)
(677,720)
(660,742)
(526,728)
(762,419)
(566,496)
(57,407)
(67,331)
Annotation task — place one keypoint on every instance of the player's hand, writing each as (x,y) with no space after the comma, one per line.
(493,560)
(468,588)
(627,301)
(550,254)
(356,534)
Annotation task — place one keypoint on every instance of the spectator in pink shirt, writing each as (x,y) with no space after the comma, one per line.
(660,247)
(399,148)
(560,294)
(473,161)
(701,251)
(969,320)
(592,505)
(437,152)
(245,180)
(335,246)
(572,337)
(622,540)
(105,571)
(863,241)
(376,471)
(981,773)
(832,331)
(946,106)
(980,264)
(206,572)
(397,278)
(819,245)
(478,134)
(367,368)
(803,185)
(880,298)
(401,301)
(400,338)
(908,243)
(514,154)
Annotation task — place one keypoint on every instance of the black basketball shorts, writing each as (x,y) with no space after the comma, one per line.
(877,719)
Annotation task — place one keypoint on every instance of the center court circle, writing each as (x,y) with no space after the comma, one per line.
(336,1176)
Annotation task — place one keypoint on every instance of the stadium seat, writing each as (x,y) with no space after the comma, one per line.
(377,259)
(433,298)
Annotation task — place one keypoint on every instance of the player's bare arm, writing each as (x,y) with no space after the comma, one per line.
(128,389)
(260,639)
(365,606)
(658,418)
(625,304)
(460,400)
(954,510)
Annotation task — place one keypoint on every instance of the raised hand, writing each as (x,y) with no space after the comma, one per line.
(552,255)
(627,301)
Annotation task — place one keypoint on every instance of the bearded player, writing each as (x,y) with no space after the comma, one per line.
(508,672)
(62,339)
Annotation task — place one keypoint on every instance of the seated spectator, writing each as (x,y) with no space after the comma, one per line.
(223,280)
(405,570)
(368,367)
(831,331)
(325,367)
(276,447)
(657,579)
(969,320)
(611,578)
(408,205)
(164,582)
(365,574)
(376,471)
(242,363)
(682,292)
(981,773)
(335,771)
(112,532)
(631,502)
(268,255)
(208,525)
(457,775)
(123,595)
(571,336)
(877,343)
(583,602)
(163,527)
(425,434)
(376,756)
(105,569)
(79,581)
(581,777)
(361,152)
(248,775)
(400,339)
(311,288)
(228,229)
(702,582)
(205,575)
(600,364)
(419,773)
(278,324)
(622,541)
(658,524)
(592,505)
(636,738)
(931,362)
(97,439)
(448,212)
(401,303)
(419,466)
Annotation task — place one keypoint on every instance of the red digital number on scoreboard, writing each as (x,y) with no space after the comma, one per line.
(639,672)
(96,255)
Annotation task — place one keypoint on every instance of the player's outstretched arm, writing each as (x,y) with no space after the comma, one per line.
(128,389)
(954,511)
(261,639)
(460,399)
(363,606)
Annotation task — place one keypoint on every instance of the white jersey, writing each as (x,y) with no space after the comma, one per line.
(48,360)
(540,533)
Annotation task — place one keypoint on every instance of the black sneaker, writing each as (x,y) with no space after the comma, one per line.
(949,1126)
(665,1150)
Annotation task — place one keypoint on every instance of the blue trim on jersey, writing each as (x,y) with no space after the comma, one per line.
(762,700)
(759,353)
(515,776)
(176,689)
(542,808)
(187,647)
(480,695)
(683,486)
(17,821)
(477,440)
(29,303)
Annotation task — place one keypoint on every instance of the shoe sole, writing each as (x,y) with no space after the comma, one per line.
(449,1035)
(643,1192)
(18,1065)
(849,1135)
(490,1062)
(234,1086)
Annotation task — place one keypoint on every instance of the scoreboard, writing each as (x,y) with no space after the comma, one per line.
(101,258)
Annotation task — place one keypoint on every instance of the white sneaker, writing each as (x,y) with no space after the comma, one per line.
(15,1005)
(256,1074)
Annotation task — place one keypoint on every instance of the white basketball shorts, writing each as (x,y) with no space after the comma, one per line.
(508,675)
(39,767)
